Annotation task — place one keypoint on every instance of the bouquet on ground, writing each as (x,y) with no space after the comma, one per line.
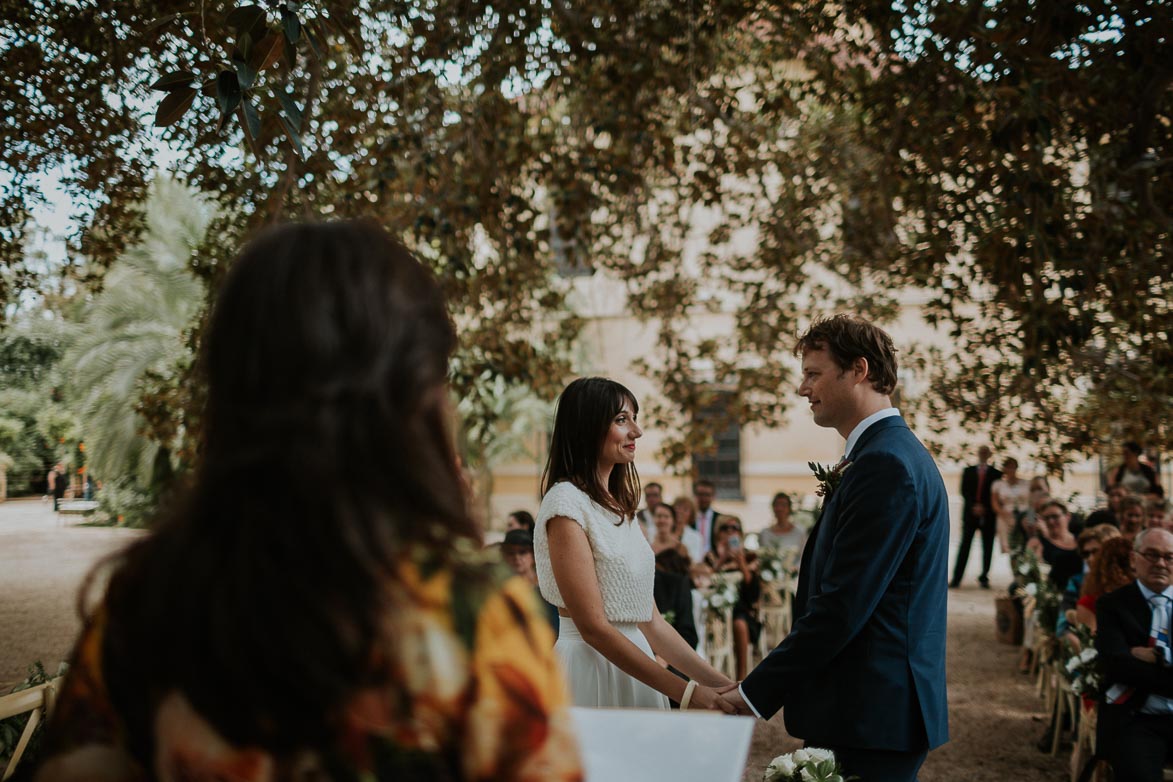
(1082,666)
(805,765)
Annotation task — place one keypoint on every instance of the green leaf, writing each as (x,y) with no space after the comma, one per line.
(290,109)
(245,73)
(294,136)
(315,43)
(162,21)
(247,20)
(172,107)
(252,120)
(227,92)
(291,24)
(173,80)
(267,51)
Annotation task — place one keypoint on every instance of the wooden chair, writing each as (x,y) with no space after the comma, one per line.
(776,613)
(1066,704)
(719,640)
(38,701)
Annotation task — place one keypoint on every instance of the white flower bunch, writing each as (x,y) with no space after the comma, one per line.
(804,765)
(1083,673)
(723,593)
(774,563)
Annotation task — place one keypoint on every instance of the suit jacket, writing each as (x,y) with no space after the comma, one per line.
(712,527)
(969,493)
(864,665)
(1123,620)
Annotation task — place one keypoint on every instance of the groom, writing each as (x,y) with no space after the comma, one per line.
(862,672)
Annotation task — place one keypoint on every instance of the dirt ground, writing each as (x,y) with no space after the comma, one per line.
(995,716)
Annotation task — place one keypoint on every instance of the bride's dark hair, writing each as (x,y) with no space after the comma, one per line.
(586,408)
(326,462)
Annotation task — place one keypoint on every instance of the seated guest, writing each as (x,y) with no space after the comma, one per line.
(1111,570)
(1055,544)
(520,519)
(1009,499)
(1157,513)
(1135,728)
(518,552)
(1132,516)
(1134,475)
(664,536)
(1111,513)
(685,511)
(673,593)
(783,534)
(1090,543)
(343,627)
(730,556)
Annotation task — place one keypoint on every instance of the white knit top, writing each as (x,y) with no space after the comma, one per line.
(624,562)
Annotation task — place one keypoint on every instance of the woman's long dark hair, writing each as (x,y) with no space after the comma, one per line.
(585,411)
(326,462)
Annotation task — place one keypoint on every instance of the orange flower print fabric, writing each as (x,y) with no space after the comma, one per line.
(475,694)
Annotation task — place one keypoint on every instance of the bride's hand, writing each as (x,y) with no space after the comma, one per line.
(708,698)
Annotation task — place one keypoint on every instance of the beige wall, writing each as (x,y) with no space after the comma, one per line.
(772,459)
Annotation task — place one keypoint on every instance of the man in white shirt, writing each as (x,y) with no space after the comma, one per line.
(706,514)
(653,496)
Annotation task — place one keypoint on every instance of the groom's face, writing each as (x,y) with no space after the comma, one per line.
(828,389)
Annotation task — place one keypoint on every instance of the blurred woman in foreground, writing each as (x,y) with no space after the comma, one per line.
(342,628)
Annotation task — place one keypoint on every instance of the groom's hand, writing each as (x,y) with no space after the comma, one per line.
(732,696)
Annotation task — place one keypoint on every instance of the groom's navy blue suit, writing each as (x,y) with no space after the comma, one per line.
(863,668)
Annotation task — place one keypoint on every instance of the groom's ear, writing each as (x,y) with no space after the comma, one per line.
(860,368)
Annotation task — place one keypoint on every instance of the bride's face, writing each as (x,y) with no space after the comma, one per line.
(619,442)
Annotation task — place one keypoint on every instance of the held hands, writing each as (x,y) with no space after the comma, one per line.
(731,702)
(706,698)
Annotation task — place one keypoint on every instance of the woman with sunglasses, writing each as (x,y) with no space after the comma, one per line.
(730,555)
(595,565)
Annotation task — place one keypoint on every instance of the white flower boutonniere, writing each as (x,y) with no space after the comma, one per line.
(828,477)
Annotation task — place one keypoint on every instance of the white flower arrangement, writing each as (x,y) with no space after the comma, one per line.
(805,765)
(1082,668)
(776,564)
(723,593)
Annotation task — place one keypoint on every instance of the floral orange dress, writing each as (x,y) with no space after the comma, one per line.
(477,694)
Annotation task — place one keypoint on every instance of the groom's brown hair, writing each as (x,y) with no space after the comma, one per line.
(847,338)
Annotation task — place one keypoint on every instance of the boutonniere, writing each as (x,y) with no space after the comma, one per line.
(828,477)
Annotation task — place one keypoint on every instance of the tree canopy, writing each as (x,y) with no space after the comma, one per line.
(1010,158)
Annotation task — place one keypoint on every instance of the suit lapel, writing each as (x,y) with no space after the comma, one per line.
(809,564)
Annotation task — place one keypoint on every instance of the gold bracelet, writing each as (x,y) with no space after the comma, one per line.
(688,690)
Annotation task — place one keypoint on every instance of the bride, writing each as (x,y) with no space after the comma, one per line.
(596,566)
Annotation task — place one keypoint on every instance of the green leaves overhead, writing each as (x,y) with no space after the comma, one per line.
(786,159)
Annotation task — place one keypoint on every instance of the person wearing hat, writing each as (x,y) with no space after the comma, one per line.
(518,552)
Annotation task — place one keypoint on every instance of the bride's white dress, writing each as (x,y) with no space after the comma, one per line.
(625,568)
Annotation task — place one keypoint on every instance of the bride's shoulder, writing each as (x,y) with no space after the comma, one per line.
(564,499)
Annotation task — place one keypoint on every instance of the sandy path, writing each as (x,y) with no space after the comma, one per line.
(42,565)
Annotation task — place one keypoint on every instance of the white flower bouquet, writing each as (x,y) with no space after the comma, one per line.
(805,765)
(723,593)
(1082,668)
(775,564)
